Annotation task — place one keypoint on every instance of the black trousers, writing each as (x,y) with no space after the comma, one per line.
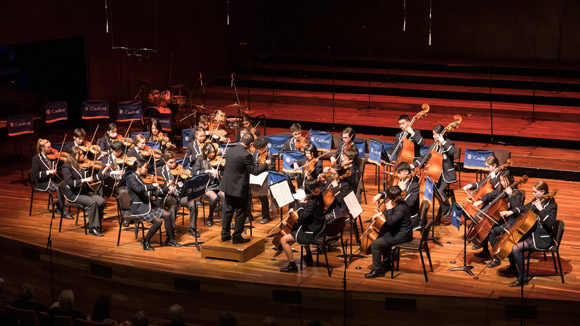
(383,245)
(95,205)
(239,205)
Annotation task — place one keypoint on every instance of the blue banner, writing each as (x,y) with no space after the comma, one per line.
(375,151)
(456,215)
(95,109)
(475,158)
(429,187)
(153,144)
(275,177)
(144,133)
(164,120)
(129,110)
(289,158)
(275,143)
(361,145)
(20,124)
(322,140)
(195,187)
(56,111)
(185,136)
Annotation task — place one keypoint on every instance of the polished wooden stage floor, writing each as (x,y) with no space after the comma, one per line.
(17,227)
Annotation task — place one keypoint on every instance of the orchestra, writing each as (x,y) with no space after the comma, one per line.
(123,164)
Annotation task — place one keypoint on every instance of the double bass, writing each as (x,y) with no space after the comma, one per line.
(489,216)
(377,228)
(405,148)
(432,163)
(524,224)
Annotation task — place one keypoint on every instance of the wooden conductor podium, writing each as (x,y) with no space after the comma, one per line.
(243,252)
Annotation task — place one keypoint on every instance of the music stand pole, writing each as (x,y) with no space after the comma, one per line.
(466,268)
(351,255)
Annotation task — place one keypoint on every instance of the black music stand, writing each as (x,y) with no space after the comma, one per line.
(194,188)
(466,268)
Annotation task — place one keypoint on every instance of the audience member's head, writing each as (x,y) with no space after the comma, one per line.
(227,319)
(27,292)
(140,319)
(66,300)
(101,310)
(176,313)
(269,321)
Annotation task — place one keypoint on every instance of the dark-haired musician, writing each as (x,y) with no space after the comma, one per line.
(348,136)
(412,135)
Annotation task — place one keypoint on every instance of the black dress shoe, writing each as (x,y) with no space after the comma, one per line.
(519,282)
(265,220)
(147,246)
(95,232)
(209,222)
(494,263)
(172,243)
(507,272)
(67,215)
(125,223)
(291,268)
(193,233)
(483,254)
(477,247)
(226,237)
(376,273)
(238,240)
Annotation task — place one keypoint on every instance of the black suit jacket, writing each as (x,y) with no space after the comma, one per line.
(193,152)
(399,222)
(448,149)
(140,194)
(417,140)
(39,172)
(542,231)
(239,165)
(74,186)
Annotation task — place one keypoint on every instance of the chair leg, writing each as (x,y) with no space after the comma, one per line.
(85,219)
(60,224)
(428,256)
(545,258)
(554,260)
(120,229)
(326,259)
(318,252)
(560,265)
(528,263)
(301,256)
(31,200)
(393,262)
(423,264)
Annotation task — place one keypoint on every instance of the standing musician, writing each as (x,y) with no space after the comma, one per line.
(407,183)
(398,222)
(194,148)
(106,141)
(209,163)
(514,199)
(448,173)
(112,173)
(236,187)
(311,222)
(412,135)
(173,200)
(491,165)
(297,142)
(143,207)
(311,170)
(43,172)
(79,136)
(261,153)
(539,237)
(78,191)
(348,136)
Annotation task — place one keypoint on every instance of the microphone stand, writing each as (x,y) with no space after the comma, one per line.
(236,91)
(466,268)
(333,82)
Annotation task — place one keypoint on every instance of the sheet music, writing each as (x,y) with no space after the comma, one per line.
(281,193)
(353,205)
(299,195)
(258,179)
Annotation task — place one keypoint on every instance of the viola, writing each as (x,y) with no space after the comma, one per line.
(180,172)
(148,151)
(149,179)
(377,227)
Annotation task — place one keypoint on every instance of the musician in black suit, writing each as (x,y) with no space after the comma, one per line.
(291,143)
(410,186)
(349,160)
(398,223)
(79,135)
(194,148)
(236,186)
(540,235)
(78,190)
(447,148)
(112,172)
(210,165)
(106,141)
(310,223)
(143,207)
(261,151)
(348,136)
(412,135)
(248,124)
(311,153)
(43,172)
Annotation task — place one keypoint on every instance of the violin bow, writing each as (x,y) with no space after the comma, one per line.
(60,151)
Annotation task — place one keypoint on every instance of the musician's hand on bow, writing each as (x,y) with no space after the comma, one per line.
(506,213)
(332,160)
(53,171)
(89,179)
(389,205)
(268,162)
(467,187)
(478,203)
(377,197)
(410,131)
(538,205)
(509,191)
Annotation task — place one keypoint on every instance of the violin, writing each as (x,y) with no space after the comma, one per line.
(88,164)
(164,140)
(126,141)
(149,179)
(56,155)
(300,144)
(180,172)
(124,159)
(148,151)
(87,147)
(217,161)
(263,157)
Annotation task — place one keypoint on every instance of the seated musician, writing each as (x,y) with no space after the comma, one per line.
(539,237)
(78,190)
(410,186)
(106,141)
(177,197)
(310,223)
(139,151)
(399,230)
(155,135)
(43,172)
(208,163)
(143,206)
(514,199)
(412,135)
(339,187)
(261,152)
(447,148)
(194,148)
(79,135)
(112,172)
(349,160)
(247,123)
(348,136)
(295,143)
(313,170)
(491,165)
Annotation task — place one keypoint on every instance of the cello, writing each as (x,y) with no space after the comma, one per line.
(377,228)
(524,224)
(405,147)
(432,163)
(483,190)
(478,232)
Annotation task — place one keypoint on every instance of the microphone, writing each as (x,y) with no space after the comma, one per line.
(232,79)
(200,79)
